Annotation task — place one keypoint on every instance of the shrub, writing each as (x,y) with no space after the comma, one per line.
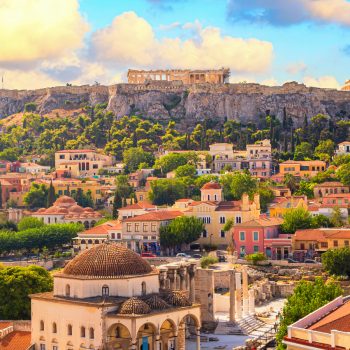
(208,260)
(256,257)
(337,261)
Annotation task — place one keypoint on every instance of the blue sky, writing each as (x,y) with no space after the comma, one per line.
(265,41)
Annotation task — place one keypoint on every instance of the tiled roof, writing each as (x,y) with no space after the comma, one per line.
(16,340)
(229,206)
(156,216)
(337,195)
(5,324)
(103,228)
(263,222)
(75,151)
(139,205)
(321,235)
(330,184)
(211,186)
(339,320)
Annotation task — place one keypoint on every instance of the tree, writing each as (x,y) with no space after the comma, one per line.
(266,197)
(306,298)
(320,221)
(117,203)
(337,261)
(296,219)
(303,151)
(290,181)
(36,197)
(10,154)
(325,147)
(83,199)
(172,161)
(51,196)
(29,222)
(134,156)
(123,187)
(0,195)
(166,191)
(343,174)
(16,284)
(186,170)
(336,218)
(305,188)
(237,183)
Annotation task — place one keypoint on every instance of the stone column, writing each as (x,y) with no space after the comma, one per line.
(238,295)
(251,302)
(191,271)
(198,338)
(162,278)
(158,343)
(232,296)
(183,275)
(176,341)
(181,341)
(245,291)
(172,277)
(133,346)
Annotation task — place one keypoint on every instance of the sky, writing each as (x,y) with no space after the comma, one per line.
(47,43)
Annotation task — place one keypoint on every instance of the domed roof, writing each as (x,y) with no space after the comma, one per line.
(64,201)
(41,210)
(134,306)
(89,210)
(211,186)
(177,298)
(63,211)
(107,260)
(76,209)
(155,302)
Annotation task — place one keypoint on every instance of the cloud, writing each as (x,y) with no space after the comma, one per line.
(170,26)
(296,68)
(288,12)
(130,42)
(326,81)
(166,5)
(32,30)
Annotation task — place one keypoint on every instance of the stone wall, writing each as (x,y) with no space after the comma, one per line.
(204,293)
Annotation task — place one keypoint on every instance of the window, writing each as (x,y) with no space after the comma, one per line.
(153,227)
(324,244)
(256,249)
(346,243)
(222,219)
(242,236)
(222,234)
(61,156)
(238,220)
(255,236)
(42,325)
(91,333)
(137,227)
(105,291)
(113,235)
(206,219)
(69,330)
(42,347)
(55,347)
(335,243)
(94,166)
(242,251)
(204,234)
(54,327)
(119,236)
(302,246)
(128,227)
(145,227)
(143,288)
(67,290)
(82,332)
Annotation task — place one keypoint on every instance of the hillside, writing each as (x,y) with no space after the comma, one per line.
(187,104)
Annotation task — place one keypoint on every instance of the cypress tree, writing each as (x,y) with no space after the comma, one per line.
(51,195)
(117,203)
(124,202)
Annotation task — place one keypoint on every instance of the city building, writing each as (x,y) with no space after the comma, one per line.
(302,168)
(65,210)
(262,235)
(281,205)
(187,76)
(326,328)
(108,297)
(330,187)
(343,148)
(135,209)
(141,232)
(332,202)
(84,162)
(33,168)
(15,335)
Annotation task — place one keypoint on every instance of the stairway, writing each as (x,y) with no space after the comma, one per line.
(250,324)
(228,328)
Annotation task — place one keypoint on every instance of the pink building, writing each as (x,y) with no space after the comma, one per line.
(262,235)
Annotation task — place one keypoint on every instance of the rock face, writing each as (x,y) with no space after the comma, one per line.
(187,104)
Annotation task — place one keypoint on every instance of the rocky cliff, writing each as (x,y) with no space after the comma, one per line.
(186,104)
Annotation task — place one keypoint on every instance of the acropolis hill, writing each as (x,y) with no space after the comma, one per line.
(186,103)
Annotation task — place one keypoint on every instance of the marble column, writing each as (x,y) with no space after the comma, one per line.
(238,296)
(245,291)
(183,275)
(232,296)
(191,272)
(172,277)
(158,343)
(251,302)
(198,338)
(163,278)
(133,346)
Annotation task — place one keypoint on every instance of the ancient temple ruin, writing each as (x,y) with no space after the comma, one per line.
(187,76)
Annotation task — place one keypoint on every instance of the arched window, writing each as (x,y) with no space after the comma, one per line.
(67,290)
(91,333)
(117,332)
(54,327)
(82,332)
(143,288)
(97,241)
(90,241)
(42,326)
(105,291)
(113,235)
(69,329)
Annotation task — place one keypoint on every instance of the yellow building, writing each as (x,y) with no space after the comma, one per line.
(282,204)
(302,168)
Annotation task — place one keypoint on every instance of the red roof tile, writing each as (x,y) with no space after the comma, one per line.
(156,216)
(139,205)
(16,340)
(103,228)
(211,186)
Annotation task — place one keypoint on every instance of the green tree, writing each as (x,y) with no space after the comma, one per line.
(10,154)
(320,221)
(266,197)
(337,261)
(36,197)
(117,203)
(123,186)
(336,218)
(16,284)
(237,183)
(29,222)
(325,147)
(303,151)
(296,219)
(166,191)
(51,196)
(0,195)
(305,188)
(186,170)
(172,161)
(306,298)
(135,156)
(291,182)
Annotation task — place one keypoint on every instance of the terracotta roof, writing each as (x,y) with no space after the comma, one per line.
(5,324)
(337,195)
(339,320)
(75,151)
(156,216)
(134,306)
(103,228)
(155,302)
(184,200)
(344,143)
(263,222)
(211,186)
(310,235)
(304,162)
(107,260)
(229,206)
(139,205)
(177,298)
(16,340)
(330,184)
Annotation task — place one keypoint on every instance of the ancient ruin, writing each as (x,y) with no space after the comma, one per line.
(187,76)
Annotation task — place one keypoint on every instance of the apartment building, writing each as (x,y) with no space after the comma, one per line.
(302,168)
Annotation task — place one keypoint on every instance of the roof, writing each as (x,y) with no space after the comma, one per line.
(330,184)
(344,143)
(75,151)
(103,228)
(211,186)
(16,340)
(184,200)
(107,260)
(321,235)
(139,205)
(229,206)
(156,216)
(337,195)
(339,320)
(304,162)
(262,222)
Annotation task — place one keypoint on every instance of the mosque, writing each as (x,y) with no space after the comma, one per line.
(108,297)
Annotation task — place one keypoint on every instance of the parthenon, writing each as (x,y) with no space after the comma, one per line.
(187,76)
